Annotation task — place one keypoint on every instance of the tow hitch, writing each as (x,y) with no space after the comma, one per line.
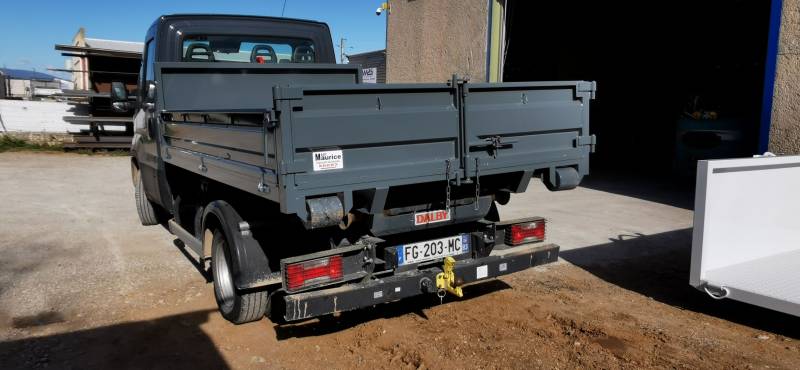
(447,278)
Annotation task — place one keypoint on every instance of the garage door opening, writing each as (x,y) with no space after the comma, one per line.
(677,81)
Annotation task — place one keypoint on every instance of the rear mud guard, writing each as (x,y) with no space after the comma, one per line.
(250,263)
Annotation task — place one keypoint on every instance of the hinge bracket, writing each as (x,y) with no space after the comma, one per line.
(590,141)
(587,86)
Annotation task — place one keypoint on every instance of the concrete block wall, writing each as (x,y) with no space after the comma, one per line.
(429,40)
(785,130)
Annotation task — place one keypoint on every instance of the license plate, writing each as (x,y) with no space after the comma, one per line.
(432,249)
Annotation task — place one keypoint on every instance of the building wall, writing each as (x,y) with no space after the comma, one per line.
(785,131)
(79,65)
(430,40)
(35,116)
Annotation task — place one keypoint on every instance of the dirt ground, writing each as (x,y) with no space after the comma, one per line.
(82,285)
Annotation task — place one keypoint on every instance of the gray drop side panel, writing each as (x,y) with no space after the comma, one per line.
(235,87)
(231,154)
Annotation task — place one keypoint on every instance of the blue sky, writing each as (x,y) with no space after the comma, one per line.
(32,27)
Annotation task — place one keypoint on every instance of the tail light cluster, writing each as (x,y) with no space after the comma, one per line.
(313,272)
(525,232)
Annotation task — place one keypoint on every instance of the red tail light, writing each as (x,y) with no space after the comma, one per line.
(527,232)
(313,272)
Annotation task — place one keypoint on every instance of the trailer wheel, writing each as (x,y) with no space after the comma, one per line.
(147,212)
(236,306)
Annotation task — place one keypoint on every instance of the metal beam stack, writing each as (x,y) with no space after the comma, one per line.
(95,64)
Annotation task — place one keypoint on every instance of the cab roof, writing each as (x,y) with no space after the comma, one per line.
(235,16)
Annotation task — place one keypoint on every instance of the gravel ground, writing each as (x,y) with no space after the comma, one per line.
(84,285)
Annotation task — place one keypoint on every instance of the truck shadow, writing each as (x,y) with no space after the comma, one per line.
(168,342)
(669,190)
(657,266)
(414,305)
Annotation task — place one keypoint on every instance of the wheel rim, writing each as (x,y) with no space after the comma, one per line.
(223,281)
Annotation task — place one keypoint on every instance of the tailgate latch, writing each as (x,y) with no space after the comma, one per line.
(446,279)
(269,121)
(495,143)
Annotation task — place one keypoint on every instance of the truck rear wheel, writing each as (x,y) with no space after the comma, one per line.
(147,212)
(236,306)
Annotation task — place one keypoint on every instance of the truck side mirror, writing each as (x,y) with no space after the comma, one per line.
(119,97)
(150,97)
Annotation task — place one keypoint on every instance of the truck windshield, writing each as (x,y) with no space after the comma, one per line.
(247,49)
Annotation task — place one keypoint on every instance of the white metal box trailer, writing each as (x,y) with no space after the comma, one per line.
(746,240)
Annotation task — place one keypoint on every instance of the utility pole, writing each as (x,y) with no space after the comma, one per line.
(385,8)
(341,49)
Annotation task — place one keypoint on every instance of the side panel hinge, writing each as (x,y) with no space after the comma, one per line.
(587,86)
(589,140)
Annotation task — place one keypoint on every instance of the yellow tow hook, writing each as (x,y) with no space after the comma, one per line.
(446,279)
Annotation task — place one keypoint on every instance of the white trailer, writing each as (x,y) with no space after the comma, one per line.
(746,241)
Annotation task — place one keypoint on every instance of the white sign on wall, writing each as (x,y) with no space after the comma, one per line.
(369,75)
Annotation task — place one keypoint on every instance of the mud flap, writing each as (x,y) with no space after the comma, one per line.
(250,264)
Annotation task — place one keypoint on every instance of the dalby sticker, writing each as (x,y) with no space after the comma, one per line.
(431,217)
(328,160)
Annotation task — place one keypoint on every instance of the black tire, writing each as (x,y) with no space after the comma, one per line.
(148,214)
(235,306)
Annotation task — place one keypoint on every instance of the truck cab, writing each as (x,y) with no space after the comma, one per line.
(303,192)
(210,38)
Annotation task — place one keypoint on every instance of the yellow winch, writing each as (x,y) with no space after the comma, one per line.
(447,278)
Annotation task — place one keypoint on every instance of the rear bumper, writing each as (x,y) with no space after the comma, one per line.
(306,305)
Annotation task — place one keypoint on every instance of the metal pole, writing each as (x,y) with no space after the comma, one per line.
(386,41)
(341,49)
(3,124)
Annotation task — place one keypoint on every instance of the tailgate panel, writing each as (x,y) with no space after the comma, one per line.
(385,132)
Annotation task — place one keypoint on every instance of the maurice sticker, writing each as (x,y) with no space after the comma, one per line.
(328,160)
(431,217)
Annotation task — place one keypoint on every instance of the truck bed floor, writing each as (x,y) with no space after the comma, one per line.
(772,281)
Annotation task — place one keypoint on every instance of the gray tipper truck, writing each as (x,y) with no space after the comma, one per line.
(307,193)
